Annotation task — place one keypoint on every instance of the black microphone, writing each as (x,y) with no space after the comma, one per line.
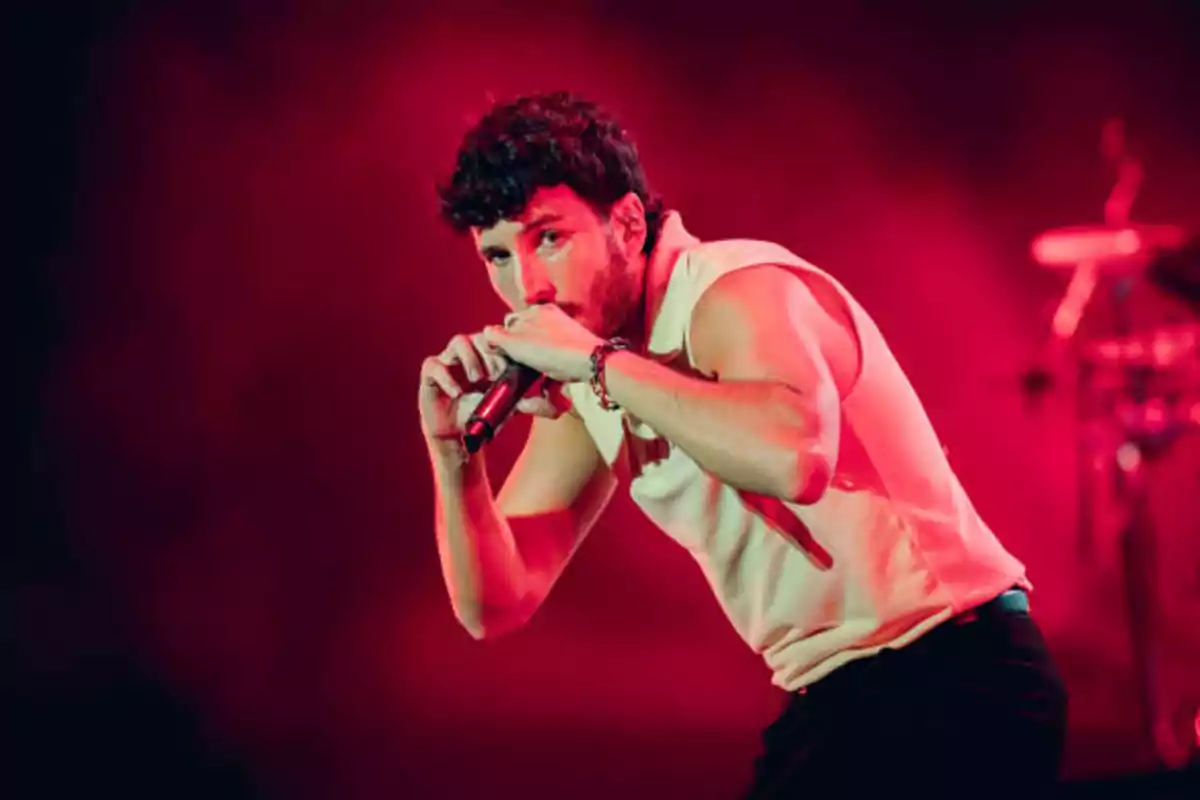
(498,402)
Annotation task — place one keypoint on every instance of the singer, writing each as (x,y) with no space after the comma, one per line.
(757,416)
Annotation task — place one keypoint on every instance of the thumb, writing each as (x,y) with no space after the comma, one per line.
(539,407)
(465,407)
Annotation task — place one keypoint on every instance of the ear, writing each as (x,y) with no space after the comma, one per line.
(628,220)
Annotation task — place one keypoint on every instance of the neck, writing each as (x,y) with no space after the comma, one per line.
(634,328)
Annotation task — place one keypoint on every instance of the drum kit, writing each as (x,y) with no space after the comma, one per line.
(1137,391)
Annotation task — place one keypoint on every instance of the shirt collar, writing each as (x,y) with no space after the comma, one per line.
(673,243)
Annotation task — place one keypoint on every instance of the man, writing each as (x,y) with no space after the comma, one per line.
(762,422)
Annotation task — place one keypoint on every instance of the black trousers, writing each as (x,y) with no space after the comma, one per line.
(971,709)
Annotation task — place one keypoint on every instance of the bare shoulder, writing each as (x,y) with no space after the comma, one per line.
(770,312)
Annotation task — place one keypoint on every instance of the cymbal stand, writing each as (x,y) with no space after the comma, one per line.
(1138,439)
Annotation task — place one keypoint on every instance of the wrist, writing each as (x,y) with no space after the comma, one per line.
(598,380)
(449,457)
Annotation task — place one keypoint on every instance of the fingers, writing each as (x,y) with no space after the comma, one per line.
(492,359)
(495,336)
(477,358)
(461,351)
(551,402)
(466,407)
(538,407)
(437,374)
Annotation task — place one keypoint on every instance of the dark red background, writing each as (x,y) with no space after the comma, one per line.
(223,575)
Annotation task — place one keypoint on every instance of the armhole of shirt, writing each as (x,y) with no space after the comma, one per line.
(711,273)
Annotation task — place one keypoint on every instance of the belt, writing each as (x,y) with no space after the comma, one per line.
(1013,601)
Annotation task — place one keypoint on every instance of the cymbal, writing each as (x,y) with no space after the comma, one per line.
(1164,347)
(1118,249)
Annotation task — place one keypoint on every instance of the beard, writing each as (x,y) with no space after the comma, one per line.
(616,293)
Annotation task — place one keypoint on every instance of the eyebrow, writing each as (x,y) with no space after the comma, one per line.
(493,252)
(542,220)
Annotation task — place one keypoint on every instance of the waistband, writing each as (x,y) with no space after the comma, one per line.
(1012,601)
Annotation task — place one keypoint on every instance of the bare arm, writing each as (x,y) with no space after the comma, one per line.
(500,557)
(769,422)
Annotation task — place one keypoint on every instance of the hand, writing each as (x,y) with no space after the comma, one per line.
(545,338)
(453,382)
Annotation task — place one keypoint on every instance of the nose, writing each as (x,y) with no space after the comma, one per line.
(534,282)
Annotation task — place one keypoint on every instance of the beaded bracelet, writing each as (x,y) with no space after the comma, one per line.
(599,355)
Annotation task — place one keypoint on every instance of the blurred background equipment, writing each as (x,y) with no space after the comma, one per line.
(1138,392)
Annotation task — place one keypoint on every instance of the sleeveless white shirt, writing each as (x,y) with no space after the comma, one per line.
(891,550)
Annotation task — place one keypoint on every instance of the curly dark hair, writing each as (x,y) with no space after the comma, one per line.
(539,141)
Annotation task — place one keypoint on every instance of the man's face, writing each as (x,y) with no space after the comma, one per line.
(558,250)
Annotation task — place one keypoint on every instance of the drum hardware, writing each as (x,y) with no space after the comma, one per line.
(1138,392)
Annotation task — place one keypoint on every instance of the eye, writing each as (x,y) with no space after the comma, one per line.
(549,238)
